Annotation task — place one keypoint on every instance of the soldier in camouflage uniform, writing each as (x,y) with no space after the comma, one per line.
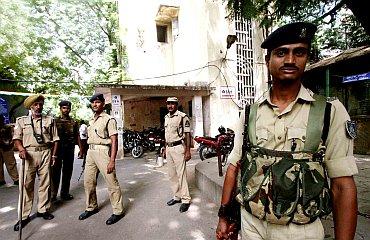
(7,153)
(293,140)
(69,137)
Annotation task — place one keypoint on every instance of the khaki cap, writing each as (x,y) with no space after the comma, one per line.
(172,99)
(31,99)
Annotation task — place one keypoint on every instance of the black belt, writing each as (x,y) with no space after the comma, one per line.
(175,143)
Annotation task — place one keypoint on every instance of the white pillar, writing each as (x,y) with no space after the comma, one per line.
(197,116)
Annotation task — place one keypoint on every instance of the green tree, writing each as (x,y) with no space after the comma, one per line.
(332,16)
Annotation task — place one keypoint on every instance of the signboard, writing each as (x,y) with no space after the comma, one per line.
(355,78)
(116,100)
(227,92)
(4,109)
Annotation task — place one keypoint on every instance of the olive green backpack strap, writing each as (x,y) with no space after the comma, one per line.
(315,123)
(252,123)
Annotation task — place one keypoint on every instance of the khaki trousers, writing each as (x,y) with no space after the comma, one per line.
(7,158)
(177,173)
(254,229)
(98,159)
(36,163)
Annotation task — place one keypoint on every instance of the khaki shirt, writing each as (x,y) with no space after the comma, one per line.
(23,131)
(101,129)
(275,130)
(176,126)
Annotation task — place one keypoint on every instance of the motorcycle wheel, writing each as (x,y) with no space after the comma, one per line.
(204,152)
(137,151)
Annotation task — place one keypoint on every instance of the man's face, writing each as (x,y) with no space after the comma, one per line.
(97,106)
(287,62)
(171,107)
(37,107)
(65,110)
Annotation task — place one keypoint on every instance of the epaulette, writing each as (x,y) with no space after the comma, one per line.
(330,99)
(18,118)
(182,114)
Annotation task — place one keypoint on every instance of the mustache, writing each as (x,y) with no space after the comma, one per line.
(289,67)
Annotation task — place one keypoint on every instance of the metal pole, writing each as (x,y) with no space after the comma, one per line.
(21,184)
(327,82)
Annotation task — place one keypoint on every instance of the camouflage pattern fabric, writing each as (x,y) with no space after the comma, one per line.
(282,187)
(67,130)
(6,135)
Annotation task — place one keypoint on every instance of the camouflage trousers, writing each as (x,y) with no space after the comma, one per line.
(253,228)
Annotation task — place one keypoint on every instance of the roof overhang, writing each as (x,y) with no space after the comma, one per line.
(129,91)
(166,13)
(346,55)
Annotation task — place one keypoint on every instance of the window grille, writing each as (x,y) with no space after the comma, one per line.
(245,64)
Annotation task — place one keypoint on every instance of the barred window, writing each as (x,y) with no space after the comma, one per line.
(244,52)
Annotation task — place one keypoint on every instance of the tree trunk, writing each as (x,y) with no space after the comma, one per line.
(360,10)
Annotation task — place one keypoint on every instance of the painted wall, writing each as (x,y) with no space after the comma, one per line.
(197,46)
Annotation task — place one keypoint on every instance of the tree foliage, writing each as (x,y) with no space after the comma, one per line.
(60,47)
(339,28)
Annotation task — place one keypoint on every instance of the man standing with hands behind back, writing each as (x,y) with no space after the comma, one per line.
(36,139)
(177,153)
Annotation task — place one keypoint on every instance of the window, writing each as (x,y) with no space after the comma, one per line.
(162,33)
(244,52)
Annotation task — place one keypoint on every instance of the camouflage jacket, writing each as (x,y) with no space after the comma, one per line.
(6,135)
(67,130)
(286,186)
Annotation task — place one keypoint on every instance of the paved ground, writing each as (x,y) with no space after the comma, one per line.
(146,191)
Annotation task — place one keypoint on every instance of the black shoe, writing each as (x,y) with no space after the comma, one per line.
(184,207)
(2,183)
(173,202)
(66,197)
(45,215)
(16,182)
(23,223)
(114,218)
(87,214)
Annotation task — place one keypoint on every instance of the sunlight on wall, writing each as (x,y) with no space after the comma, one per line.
(6,209)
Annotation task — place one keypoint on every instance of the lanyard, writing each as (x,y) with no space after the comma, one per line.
(37,136)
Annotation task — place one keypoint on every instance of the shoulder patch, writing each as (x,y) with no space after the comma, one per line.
(351,129)
(187,123)
(330,99)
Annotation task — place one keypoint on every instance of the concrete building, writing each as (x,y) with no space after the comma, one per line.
(179,48)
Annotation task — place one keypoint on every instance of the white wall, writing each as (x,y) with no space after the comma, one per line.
(198,39)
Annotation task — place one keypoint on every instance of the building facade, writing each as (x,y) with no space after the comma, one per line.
(188,49)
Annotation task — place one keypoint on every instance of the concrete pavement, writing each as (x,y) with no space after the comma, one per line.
(208,181)
(145,190)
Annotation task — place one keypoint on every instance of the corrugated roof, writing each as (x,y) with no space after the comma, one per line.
(345,55)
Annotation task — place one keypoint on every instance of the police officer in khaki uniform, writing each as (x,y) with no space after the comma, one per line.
(7,153)
(281,119)
(101,156)
(36,139)
(177,135)
(69,137)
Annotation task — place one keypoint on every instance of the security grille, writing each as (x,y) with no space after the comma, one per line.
(244,52)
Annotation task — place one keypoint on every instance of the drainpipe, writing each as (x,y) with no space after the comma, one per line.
(327,82)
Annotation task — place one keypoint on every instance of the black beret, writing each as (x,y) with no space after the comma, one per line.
(298,32)
(65,103)
(97,96)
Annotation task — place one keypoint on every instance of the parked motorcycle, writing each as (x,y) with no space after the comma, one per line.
(220,146)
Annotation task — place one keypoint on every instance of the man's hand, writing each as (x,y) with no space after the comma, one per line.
(187,155)
(226,230)
(23,154)
(111,166)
